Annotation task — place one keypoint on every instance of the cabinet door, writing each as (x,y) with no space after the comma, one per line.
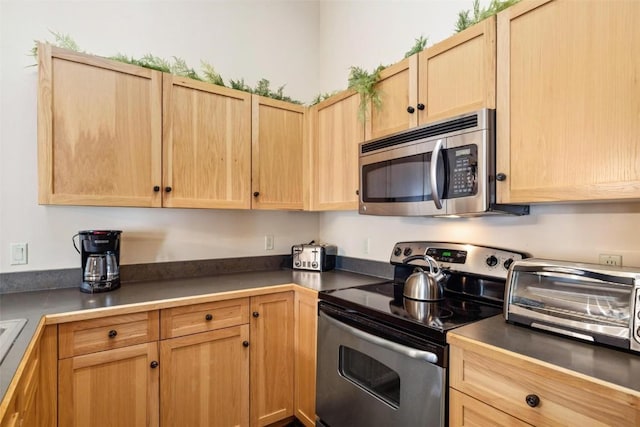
(205,379)
(458,75)
(278,138)
(110,388)
(397,89)
(206,145)
(336,132)
(306,321)
(568,104)
(99,131)
(272,358)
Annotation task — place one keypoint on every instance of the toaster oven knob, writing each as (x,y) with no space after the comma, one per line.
(492,261)
(508,263)
(314,264)
(297,263)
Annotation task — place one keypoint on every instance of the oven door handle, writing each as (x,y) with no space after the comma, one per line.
(433,174)
(427,356)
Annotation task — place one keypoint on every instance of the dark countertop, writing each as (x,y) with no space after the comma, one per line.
(33,305)
(613,366)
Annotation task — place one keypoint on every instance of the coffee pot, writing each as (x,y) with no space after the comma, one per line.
(100,259)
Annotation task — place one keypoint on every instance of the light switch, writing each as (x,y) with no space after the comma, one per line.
(18,253)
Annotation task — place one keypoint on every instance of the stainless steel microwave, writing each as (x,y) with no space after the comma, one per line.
(445,168)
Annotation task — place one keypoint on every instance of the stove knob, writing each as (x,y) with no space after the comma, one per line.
(492,261)
(407,251)
(397,251)
(508,263)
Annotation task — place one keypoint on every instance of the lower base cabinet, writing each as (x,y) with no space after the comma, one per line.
(116,387)
(513,390)
(205,379)
(306,325)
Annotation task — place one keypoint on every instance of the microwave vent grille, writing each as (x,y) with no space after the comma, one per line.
(422,133)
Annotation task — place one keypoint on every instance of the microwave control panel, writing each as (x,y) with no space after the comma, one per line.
(463,171)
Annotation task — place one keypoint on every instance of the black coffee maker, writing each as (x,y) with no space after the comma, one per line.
(100,254)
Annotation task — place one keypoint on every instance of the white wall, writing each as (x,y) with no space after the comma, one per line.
(277,40)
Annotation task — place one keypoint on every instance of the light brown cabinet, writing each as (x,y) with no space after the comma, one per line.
(533,392)
(32,400)
(205,364)
(452,77)
(306,325)
(278,140)
(205,379)
(568,103)
(335,132)
(272,358)
(108,371)
(206,145)
(99,131)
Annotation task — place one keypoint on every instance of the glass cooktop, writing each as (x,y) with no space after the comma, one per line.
(384,302)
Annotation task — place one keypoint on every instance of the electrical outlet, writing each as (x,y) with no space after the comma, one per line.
(18,253)
(367,245)
(607,259)
(268,242)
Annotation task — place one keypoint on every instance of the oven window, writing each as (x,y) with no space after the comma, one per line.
(370,375)
(404,179)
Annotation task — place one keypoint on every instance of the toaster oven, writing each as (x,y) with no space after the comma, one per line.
(590,302)
(314,257)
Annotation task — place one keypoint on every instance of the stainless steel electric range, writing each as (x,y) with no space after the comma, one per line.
(382,357)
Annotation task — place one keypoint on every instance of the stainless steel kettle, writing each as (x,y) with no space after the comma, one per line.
(426,286)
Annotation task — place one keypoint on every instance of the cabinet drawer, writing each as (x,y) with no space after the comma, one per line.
(89,336)
(467,411)
(192,319)
(505,381)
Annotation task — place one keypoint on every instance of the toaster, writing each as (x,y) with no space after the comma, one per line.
(590,302)
(313,256)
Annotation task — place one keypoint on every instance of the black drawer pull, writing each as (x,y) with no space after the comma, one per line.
(113,333)
(208,316)
(532,400)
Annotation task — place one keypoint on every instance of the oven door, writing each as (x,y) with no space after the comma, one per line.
(407,180)
(365,380)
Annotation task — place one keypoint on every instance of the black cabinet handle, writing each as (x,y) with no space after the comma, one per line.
(357,192)
(410,109)
(156,188)
(245,343)
(420,107)
(113,333)
(154,364)
(532,400)
(501,177)
(256,193)
(256,314)
(168,189)
(208,317)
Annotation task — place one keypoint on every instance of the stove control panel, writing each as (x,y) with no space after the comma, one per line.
(464,258)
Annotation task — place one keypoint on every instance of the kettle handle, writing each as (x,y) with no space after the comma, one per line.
(433,264)
(73,239)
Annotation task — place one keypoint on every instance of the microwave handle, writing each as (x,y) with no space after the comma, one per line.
(433,174)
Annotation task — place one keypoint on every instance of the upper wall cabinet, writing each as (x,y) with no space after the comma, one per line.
(335,133)
(206,145)
(452,77)
(568,101)
(99,131)
(278,140)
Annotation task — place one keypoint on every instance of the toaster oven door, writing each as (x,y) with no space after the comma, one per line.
(580,303)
